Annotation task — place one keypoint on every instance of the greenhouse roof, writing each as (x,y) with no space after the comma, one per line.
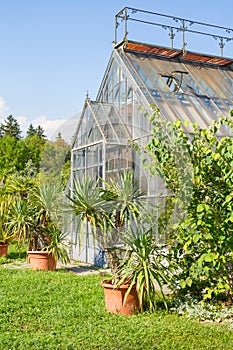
(188,86)
(100,122)
(175,53)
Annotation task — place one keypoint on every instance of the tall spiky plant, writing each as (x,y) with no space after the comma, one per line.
(89,207)
(144,266)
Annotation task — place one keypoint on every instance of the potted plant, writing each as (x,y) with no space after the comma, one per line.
(54,248)
(6,236)
(140,277)
(127,206)
(35,218)
(107,211)
(110,211)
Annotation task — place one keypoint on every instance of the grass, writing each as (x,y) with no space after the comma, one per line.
(60,310)
(15,253)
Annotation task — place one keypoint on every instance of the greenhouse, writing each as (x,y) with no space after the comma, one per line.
(184,85)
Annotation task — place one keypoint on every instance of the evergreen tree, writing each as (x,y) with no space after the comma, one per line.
(40,132)
(10,127)
(59,137)
(31,130)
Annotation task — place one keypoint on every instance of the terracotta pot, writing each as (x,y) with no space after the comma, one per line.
(4,249)
(114,299)
(40,260)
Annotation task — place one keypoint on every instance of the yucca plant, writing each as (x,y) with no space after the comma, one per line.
(21,219)
(127,196)
(108,210)
(6,236)
(89,207)
(144,266)
(35,219)
(57,244)
(129,206)
(48,199)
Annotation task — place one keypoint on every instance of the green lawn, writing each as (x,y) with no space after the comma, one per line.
(60,310)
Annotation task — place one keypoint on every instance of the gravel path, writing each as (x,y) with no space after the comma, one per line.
(76,268)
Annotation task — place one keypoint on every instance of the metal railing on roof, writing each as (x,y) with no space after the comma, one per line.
(222,34)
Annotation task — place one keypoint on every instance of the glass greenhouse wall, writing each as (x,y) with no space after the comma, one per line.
(197,89)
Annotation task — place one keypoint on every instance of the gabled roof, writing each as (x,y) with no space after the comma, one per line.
(187,86)
(100,122)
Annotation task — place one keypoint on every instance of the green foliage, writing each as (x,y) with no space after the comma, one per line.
(6,236)
(10,128)
(87,204)
(108,210)
(35,216)
(35,148)
(32,154)
(57,243)
(13,155)
(128,200)
(21,219)
(55,155)
(198,172)
(35,131)
(195,309)
(60,310)
(144,267)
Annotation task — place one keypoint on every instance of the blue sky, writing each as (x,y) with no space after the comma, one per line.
(54,51)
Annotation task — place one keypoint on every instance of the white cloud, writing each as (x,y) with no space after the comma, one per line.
(51,127)
(3,108)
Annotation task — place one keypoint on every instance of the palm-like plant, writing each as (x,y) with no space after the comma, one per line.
(48,199)
(56,243)
(107,210)
(21,186)
(21,220)
(35,218)
(127,196)
(143,267)
(89,207)
(6,236)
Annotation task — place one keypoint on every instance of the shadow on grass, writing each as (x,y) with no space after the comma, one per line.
(16,252)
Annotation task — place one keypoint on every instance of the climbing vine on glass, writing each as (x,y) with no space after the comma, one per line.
(198,170)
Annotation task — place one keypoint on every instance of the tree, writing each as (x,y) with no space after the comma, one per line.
(59,136)
(55,156)
(13,155)
(11,128)
(35,146)
(40,132)
(198,172)
(31,130)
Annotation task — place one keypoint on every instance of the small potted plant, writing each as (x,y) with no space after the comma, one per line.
(140,277)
